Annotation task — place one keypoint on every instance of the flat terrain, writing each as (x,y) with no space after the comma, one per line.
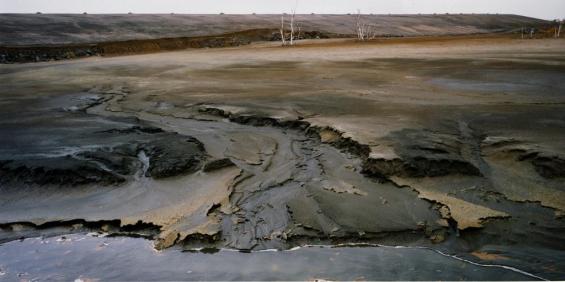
(454,144)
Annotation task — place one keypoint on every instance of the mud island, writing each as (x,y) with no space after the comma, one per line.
(438,139)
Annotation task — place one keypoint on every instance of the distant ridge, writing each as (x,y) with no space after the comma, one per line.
(56,29)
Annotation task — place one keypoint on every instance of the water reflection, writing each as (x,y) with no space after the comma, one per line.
(84,257)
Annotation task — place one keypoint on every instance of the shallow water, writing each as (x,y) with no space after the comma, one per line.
(121,258)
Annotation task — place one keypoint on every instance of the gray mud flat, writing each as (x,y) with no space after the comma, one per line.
(281,186)
(451,148)
(87,257)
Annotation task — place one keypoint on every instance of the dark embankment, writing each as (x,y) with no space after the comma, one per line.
(57,29)
(25,54)
(22,54)
(34,38)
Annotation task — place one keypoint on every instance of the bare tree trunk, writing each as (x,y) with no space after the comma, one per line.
(371,34)
(282,31)
(522,32)
(292,27)
(559,30)
(357,25)
(360,26)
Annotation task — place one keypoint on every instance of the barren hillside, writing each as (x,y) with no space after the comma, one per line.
(32,29)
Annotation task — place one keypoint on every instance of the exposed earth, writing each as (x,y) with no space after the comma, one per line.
(449,145)
(37,38)
(53,29)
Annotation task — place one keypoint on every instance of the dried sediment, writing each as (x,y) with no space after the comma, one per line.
(286,182)
(18,230)
(56,171)
(168,154)
(422,153)
(285,156)
(546,165)
(240,199)
(422,159)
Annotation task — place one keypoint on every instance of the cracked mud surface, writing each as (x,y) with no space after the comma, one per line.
(460,148)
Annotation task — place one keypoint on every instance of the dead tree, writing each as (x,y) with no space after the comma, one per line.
(293,11)
(359,26)
(559,29)
(371,32)
(292,27)
(293,23)
(363,29)
(283,41)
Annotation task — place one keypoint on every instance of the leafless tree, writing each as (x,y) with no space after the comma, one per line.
(292,26)
(371,31)
(364,30)
(283,41)
(292,15)
(359,26)
(559,29)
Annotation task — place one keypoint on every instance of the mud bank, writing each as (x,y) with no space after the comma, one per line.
(25,54)
(277,179)
(44,29)
(38,38)
(285,184)
(240,152)
(108,152)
